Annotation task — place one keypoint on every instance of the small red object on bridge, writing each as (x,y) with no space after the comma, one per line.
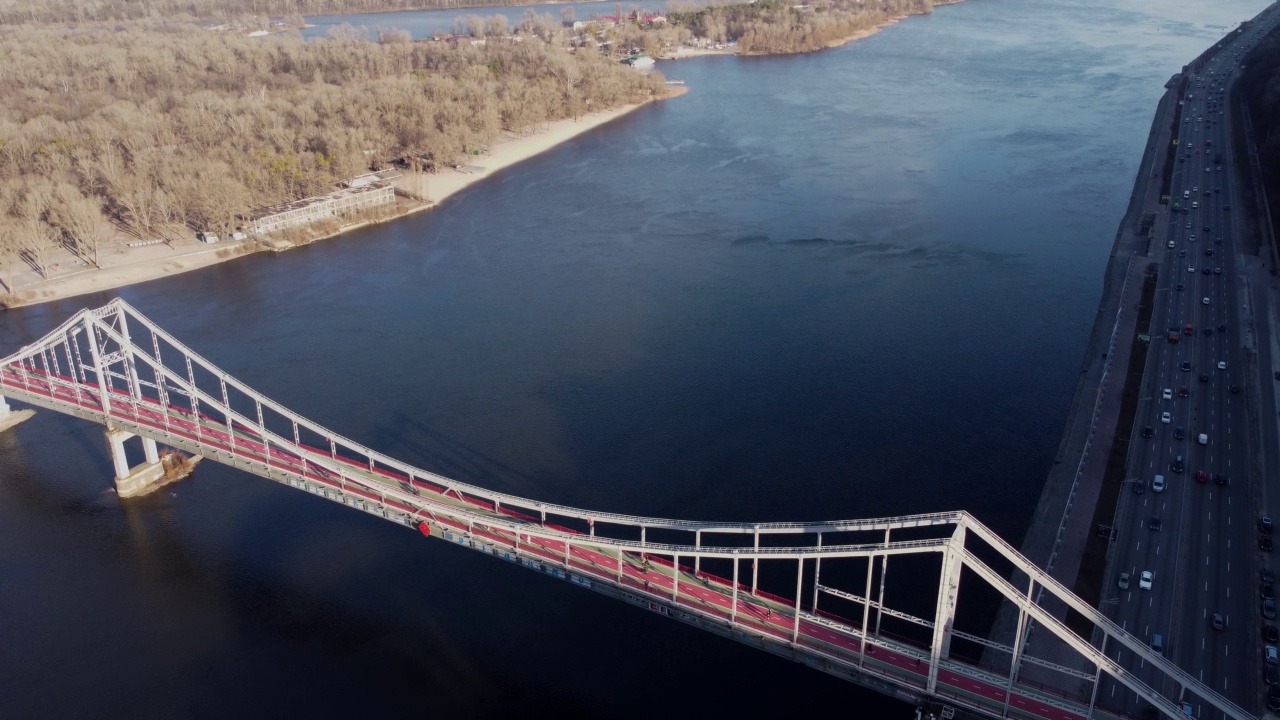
(425,528)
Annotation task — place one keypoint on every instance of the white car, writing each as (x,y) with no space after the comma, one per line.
(1204,301)
(1191,268)
(1222,364)
(1167,394)
(1144,580)
(1124,581)
(1166,418)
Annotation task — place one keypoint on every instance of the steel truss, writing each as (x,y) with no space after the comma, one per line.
(113,366)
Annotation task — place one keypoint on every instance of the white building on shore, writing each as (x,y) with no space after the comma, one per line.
(347,201)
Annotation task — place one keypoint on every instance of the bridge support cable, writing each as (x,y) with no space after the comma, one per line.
(125,372)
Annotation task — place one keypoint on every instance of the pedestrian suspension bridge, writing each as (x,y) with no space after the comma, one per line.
(113,366)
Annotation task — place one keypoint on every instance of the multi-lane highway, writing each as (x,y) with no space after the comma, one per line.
(1198,535)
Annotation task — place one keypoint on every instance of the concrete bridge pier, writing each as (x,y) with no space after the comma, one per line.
(140,480)
(10,417)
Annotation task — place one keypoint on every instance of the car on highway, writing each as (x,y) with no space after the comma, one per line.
(1179,433)
(1265,525)
(1272,676)
(1222,364)
(1148,431)
(1178,464)
(1222,480)
(1273,697)
(1269,609)
(1188,330)
(1207,271)
(1166,418)
(1271,655)
(1264,544)
(1202,476)
(1208,253)
(1217,622)
(1267,590)
(1191,268)
(1208,331)
(1204,377)
(1235,389)
(1203,439)
(1157,483)
(1183,391)
(1270,634)
(1123,582)
(1155,524)
(1266,576)
(1186,365)
(1144,580)
(1179,286)
(1205,301)
(1217,271)
(1167,394)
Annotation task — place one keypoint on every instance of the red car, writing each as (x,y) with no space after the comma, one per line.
(1201,476)
(1188,330)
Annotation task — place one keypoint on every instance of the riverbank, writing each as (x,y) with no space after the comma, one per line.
(122,265)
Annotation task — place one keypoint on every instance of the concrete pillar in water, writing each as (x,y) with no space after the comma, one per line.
(140,480)
(116,438)
(10,417)
(152,453)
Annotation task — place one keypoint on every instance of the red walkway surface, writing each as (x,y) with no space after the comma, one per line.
(704,593)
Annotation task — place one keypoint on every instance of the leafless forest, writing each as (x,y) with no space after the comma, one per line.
(165,125)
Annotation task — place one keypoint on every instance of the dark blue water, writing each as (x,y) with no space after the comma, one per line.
(845,284)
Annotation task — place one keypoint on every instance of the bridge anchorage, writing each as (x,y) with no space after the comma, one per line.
(826,604)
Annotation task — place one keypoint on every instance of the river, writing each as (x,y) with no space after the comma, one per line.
(843,284)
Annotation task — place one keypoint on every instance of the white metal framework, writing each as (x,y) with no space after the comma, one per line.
(113,366)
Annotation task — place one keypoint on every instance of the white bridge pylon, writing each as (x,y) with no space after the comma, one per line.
(113,366)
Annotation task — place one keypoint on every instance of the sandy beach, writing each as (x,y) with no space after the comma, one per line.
(123,265)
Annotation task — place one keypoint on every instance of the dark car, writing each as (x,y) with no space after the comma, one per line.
(1155,524)
(1186,366)
(1217,271)
(1208,331)
(1266,576)
(1269,609)
(1217,622)
(1273,678)
(1208,253)
(1179,286)
(1179,433)
(1139,487)
(1223,328)
(1222,480)
(1148,431)
(1267,590)
(1264,525)
(1178,465)
(1235,389)
(1202,476)
(1207,271)
(1264,544)
(1207,229)
(1273,695)
(1270,634)
(1184,391)
(1204,377)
